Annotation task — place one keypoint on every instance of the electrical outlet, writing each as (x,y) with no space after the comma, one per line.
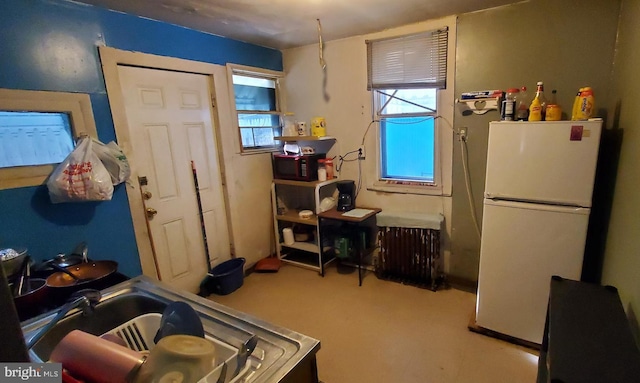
(463,134)
(361,153)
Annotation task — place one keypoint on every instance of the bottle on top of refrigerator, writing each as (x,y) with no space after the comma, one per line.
(538,105)
(508,112)
(576,105)
(554,111)
(522,108)
(586,104)
(535,110)
(541,98)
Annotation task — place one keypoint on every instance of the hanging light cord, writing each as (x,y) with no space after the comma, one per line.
(321,45)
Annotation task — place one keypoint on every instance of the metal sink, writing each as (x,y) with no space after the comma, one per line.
(279,351)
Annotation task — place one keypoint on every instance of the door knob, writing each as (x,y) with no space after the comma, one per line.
(151,212)
(147,194)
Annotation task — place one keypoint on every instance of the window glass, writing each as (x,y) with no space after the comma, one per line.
(408,149)
(256,100)
(37,131)
(34,138)
(254,94)
(406,101)
(407,134)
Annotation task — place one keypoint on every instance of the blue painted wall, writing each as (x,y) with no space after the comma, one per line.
(52,45)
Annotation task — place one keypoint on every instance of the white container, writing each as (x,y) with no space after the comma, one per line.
(302,129)
(289,125)
(287,233)
(322,174)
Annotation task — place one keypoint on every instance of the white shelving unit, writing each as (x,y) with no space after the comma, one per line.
(297,196)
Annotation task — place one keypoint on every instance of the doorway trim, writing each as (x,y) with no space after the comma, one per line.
(110,59)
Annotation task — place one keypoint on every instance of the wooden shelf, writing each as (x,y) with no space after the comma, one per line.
(292,216)
(311,247)
(307,259)
(303,138)
(309,184)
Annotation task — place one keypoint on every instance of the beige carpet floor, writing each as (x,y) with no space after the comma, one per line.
(383,331)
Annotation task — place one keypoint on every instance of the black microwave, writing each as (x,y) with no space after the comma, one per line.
(300,167)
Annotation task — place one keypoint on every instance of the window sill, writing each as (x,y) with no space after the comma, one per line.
(406,189)
(249,152)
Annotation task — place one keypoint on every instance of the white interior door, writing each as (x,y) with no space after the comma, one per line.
(170,125)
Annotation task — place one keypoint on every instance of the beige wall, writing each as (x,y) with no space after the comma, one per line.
(248,184)
(622,255)
(342,98)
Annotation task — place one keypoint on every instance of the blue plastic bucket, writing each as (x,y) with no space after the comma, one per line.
(226,277)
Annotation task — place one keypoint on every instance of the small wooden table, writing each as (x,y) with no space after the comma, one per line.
(350,222)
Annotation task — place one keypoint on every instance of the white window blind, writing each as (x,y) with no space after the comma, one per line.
(406,62)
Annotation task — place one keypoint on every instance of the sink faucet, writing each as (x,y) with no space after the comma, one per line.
(84,300)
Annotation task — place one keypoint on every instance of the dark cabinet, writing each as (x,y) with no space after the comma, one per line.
(587,336)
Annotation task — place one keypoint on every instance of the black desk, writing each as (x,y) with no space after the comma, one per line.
(349,226)
(587,336)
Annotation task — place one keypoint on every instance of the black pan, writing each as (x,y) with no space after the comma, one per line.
(89,274)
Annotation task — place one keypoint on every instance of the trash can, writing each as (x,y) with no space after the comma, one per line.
(224,279)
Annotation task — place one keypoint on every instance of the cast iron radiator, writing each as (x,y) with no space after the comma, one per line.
(409,246)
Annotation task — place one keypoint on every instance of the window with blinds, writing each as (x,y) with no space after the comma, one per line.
(411,61)
(405,74)
(256,96)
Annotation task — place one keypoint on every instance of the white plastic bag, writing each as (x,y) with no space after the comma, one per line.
(80,177)
(114,160)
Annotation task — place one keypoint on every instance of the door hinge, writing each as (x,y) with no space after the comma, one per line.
(213,101)
(232,250)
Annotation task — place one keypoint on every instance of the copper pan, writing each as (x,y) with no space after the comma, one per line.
(89,275)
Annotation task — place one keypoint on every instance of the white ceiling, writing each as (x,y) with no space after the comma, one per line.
(282,24)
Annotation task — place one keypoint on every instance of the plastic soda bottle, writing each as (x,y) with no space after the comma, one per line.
(522,110)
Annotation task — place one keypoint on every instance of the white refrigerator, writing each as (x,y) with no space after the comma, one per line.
(537,200)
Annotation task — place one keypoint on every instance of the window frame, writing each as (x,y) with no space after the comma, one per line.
(443,128)
(427,114)
(76,105)
(243,70)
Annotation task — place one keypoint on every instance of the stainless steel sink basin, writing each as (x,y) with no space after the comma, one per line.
(279,355)
(108,314)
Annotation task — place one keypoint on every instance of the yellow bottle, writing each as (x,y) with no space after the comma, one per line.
(576,105)
(535,109)
(586,105)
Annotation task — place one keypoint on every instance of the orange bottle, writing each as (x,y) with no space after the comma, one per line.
(554,112)
(586,104)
